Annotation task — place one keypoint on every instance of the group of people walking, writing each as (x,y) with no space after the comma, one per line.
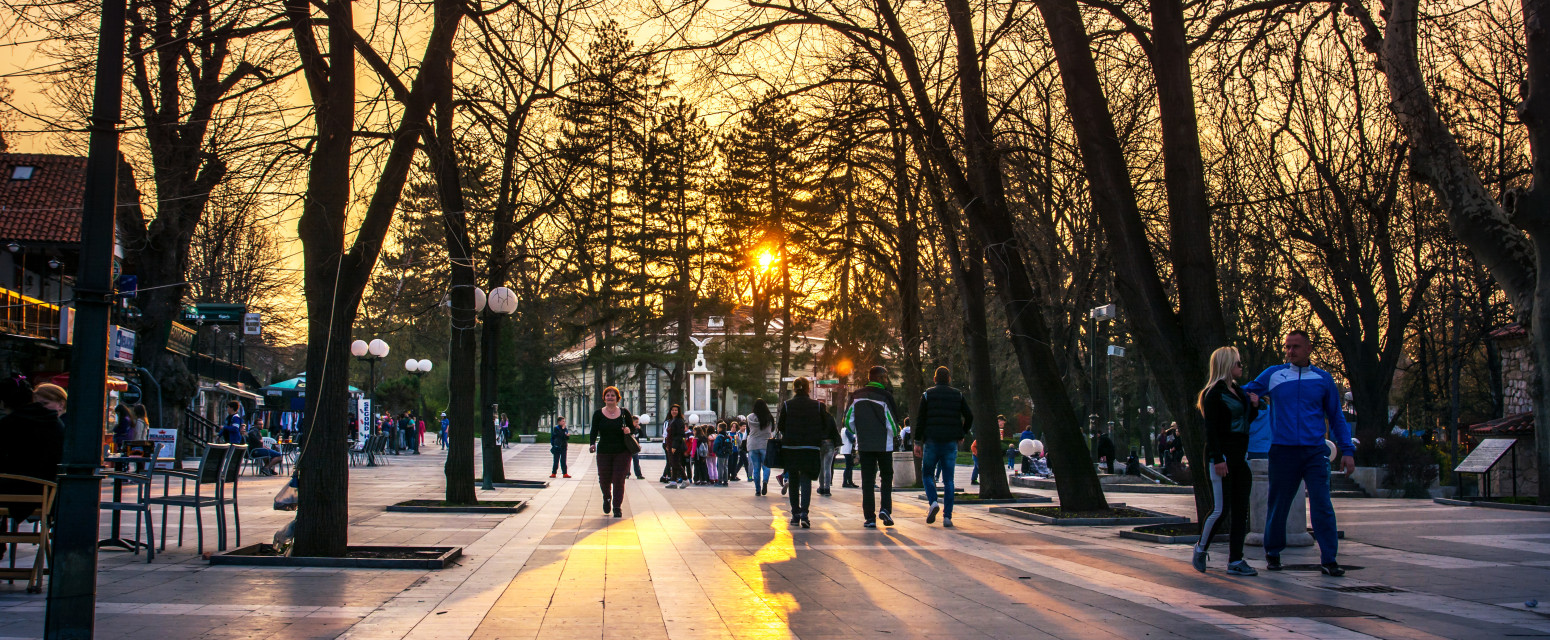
(1302,401)
(811,441)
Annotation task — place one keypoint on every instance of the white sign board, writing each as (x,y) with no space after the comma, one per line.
(165,442)
(252,324)
(363,419)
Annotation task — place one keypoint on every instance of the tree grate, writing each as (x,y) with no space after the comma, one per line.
(1376,588)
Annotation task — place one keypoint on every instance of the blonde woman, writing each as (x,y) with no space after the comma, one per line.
(1228,411)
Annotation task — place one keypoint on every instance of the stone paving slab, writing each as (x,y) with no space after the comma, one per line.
(720,562)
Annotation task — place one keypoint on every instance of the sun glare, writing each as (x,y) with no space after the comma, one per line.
(767,259)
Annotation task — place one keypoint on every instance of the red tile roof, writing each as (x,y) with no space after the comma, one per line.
(46,207)
(1513,330)
(1519,424)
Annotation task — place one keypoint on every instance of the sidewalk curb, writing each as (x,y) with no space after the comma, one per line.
(1493,505)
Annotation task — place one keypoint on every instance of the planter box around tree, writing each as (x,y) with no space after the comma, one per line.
(356,557)
(974,498)
(440,506)
(517,484)
(1116,515)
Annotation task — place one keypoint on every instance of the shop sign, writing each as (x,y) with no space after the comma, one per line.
(121,348)
(180,339)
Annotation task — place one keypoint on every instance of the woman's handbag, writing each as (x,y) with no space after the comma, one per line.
(632,445)
(772,450)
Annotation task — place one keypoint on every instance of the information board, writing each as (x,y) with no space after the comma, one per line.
(1485,455)
(166,443)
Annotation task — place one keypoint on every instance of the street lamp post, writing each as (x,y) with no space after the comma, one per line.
(72,586)
(418,368)
(501,301)
(370,353)
(1097,314)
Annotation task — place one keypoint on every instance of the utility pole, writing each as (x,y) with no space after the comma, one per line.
(72,588)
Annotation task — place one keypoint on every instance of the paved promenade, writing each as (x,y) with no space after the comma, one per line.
(711,562)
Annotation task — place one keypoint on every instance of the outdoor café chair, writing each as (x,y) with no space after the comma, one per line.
(140,507)
(39,536)
(206,482)
(226,492)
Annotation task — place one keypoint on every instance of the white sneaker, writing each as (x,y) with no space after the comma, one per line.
(931,515)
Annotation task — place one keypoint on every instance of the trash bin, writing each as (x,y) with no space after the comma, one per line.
(905,470)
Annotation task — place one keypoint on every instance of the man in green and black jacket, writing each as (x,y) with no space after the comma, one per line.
(872,417)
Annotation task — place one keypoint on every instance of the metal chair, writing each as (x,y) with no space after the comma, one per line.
(233,467)
(39,536)
(140,507)
(211,473)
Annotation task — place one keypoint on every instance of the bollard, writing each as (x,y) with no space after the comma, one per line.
(905,470)
(1259,506)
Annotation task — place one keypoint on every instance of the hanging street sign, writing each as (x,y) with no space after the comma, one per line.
(214,313)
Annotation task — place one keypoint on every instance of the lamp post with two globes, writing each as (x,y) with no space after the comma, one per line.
(501,301)
(418,369)
(370,353)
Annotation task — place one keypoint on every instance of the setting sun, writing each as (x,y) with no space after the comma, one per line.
(767,259)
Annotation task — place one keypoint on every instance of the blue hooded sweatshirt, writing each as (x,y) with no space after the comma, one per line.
(1304,405)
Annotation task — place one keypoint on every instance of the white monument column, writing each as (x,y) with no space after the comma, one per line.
(699,386)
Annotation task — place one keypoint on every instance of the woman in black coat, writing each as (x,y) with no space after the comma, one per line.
(1228,411)
(34,443)
(611,426)
(804,423)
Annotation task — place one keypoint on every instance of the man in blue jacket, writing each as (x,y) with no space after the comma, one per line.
(1304,405)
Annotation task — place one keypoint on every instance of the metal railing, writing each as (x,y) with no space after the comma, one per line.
(27,316)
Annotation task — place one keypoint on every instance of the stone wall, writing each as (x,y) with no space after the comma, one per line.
(1517,375)
(1501,476)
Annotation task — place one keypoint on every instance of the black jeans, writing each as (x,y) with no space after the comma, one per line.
(850,464)
(801,487)
(871,463)
(559,462)
(1231,495)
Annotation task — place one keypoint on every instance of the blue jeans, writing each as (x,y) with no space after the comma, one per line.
(940,456)
(757,471)
(1290,466)
(974,476)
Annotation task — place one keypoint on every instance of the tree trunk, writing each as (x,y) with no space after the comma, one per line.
(1182,340)
(969,276)
(1494,237)
(462,350)
(909,277)
(489,357)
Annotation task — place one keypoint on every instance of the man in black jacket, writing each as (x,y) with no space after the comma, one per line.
(874,418)
(943,419)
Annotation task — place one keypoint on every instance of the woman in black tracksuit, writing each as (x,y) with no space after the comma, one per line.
(1228,412)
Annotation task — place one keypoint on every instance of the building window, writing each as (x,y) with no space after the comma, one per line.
(716,322)
(22,172)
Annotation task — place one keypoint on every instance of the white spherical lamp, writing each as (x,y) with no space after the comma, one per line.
(1026,447)
(411,365)
(1038,447)
(694,418)
(479,299)
(1333,451)
(378,348)
(358,348)
(503,301)
(424,366)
